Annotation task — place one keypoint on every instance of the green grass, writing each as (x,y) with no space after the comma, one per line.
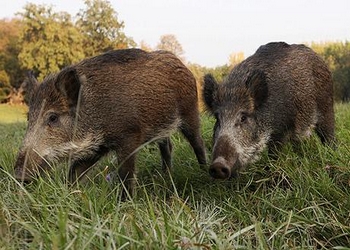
(299,201)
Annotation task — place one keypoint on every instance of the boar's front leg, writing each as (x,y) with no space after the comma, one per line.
(126,172)
(79,167)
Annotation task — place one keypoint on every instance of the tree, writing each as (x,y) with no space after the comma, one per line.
(235,58)
(9,30)
(170,43)
(49,40)
(9,50)
(101,29)
(144,46)
(337,56)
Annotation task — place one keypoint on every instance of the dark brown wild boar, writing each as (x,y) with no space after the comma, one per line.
(116,101)
(278,94)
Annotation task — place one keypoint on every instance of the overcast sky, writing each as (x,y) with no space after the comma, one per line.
(209,31)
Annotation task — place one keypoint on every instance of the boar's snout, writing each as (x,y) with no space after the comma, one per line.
(225,159)
(24,171)
(219,171)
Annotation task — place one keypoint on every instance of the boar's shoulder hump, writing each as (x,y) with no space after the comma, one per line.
(272,50)
(121,56)
(281,50)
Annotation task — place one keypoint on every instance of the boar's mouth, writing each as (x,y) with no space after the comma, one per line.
(26,170)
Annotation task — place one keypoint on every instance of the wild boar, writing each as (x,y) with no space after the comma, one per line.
(276,95)
(117,101)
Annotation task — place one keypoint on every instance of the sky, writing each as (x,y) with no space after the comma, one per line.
(209,31)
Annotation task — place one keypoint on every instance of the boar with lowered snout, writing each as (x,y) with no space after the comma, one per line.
(117,101)
(278,94)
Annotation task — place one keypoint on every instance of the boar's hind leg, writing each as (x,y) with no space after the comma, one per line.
(165,148)
(325,129)
(192,134)
(80,167)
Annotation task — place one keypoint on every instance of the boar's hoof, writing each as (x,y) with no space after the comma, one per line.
(219,171)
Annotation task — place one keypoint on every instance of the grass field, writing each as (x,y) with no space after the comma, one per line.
(301,200)
(12,114)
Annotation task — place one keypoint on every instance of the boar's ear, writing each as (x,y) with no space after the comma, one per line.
(29,85)
(209,91)
(257,86)
(68,84)
(30,82)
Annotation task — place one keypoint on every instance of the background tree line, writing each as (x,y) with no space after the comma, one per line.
(46,41)
(337,56)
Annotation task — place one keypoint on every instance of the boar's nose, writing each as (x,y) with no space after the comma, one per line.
(219,171)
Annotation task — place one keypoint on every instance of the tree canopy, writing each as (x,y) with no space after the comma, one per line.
(49,40)
(45,41)
(337,56)
(101,29)
(170,43)
(9,49)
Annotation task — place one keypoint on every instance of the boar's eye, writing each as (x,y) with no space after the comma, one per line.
(243,118)
(52,119)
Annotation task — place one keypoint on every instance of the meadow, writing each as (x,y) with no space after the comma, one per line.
(300,200)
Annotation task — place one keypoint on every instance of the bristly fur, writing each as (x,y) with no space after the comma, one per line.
(280,93)
(76,149)
(117,101)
